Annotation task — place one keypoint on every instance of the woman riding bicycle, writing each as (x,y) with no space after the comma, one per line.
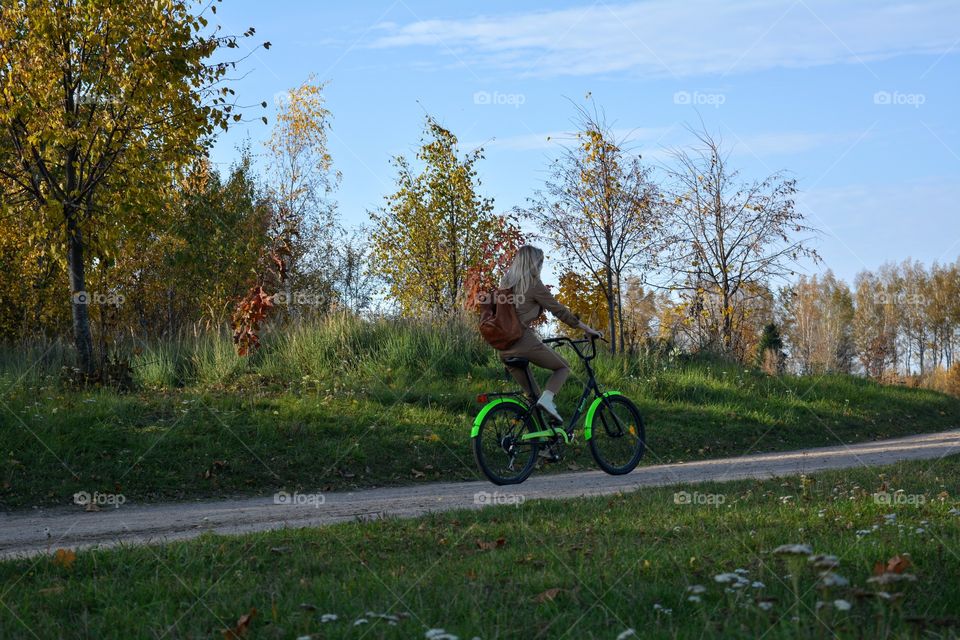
(531,298)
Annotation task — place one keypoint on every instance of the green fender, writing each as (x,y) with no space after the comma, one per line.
(486,409)
(588,422)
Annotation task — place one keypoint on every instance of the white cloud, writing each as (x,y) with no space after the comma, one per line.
(671,38)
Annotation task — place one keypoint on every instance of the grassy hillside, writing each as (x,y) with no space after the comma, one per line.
(587,568)
(344,403)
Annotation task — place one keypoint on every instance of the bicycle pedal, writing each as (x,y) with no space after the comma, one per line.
(551,453)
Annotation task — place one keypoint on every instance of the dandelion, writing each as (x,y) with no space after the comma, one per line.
(842,605)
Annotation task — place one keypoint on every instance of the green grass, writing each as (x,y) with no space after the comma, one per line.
(346,403)
(583,568)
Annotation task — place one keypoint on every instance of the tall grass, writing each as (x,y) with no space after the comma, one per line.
(332,347)
(34,364)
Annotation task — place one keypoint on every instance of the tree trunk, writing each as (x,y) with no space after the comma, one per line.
(620,314)
(611,311)
(80,299)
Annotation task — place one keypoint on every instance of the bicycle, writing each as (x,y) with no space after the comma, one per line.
(511,428)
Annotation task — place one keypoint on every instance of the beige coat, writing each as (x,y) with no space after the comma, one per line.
(536,300)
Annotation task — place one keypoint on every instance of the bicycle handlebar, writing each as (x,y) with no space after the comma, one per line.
(592,339)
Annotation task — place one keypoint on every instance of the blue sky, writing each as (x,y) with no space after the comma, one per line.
(857,99)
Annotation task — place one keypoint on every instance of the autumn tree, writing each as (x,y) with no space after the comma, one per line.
(816,314)
(300,179)
(584,296)
(599,209)
(100,101)
(730,235)
(435,227)
(875,323)
(192,270)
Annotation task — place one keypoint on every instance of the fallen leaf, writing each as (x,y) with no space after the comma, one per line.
(64,557)
(241,627)
(51,590)
(496,544)
(547,595)
(898,563)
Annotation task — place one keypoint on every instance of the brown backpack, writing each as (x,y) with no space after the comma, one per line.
(499,324)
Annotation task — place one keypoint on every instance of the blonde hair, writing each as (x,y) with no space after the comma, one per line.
(524,270)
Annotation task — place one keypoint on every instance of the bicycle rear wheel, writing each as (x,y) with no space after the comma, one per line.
(500,453)
(618,437)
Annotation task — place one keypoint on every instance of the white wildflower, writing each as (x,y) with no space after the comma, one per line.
(890,578)
(724,578)
(842,605)
(793,550)
(830,579)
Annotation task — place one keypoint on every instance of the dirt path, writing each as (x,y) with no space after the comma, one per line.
(42,530)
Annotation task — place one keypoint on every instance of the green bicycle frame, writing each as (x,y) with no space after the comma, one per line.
(591,386)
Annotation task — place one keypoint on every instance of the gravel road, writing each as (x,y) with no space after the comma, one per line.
(42,530)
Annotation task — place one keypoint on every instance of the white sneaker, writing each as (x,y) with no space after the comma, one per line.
(547,404)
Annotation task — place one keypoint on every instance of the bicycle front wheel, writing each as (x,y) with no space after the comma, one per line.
(500,453)
(618,437)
